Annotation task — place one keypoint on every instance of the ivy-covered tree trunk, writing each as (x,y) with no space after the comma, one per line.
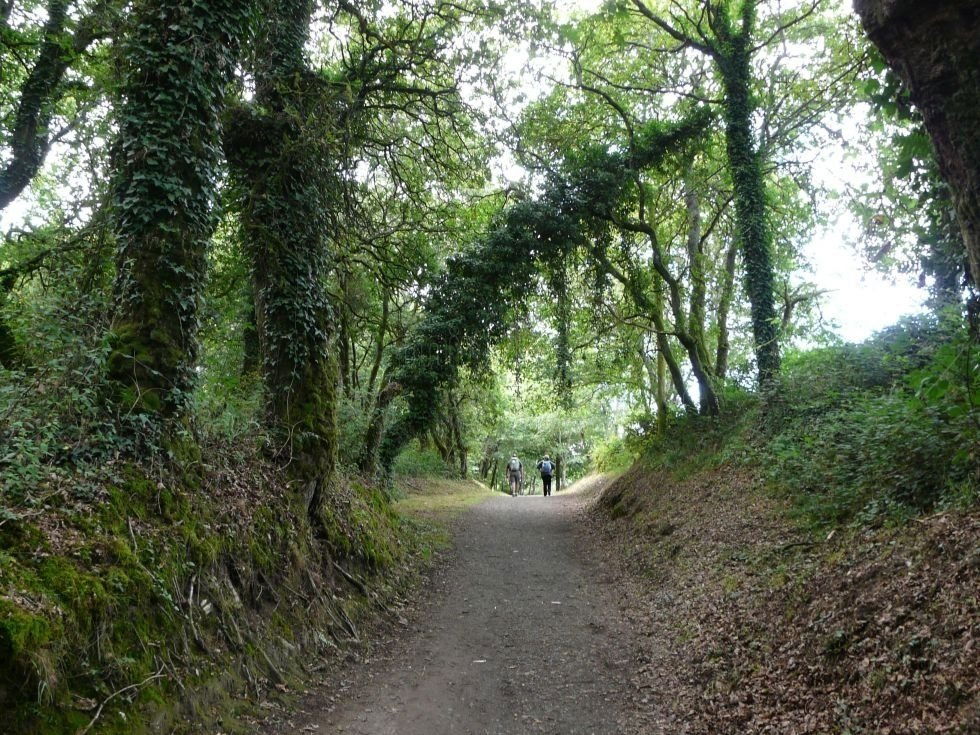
(277,155)
(754,232)
(935,48)
(725,33)
(178,59)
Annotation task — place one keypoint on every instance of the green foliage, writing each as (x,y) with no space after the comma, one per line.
(178,60)
(612,455)
(879,431)
(889,427)
(354,173)
(474,304)
(416,461)
(908,211)
(53,422)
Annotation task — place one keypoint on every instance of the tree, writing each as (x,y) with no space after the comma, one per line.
(179,57)
(906,206)
(472,306)
(935,48)
(32,129)
(281,148)
(726,31)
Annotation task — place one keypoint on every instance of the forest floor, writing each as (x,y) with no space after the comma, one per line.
(523,630)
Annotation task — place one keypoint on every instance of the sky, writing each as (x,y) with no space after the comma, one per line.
(859,302)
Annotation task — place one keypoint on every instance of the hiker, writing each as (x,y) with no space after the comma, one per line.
(546,468)
(515,475)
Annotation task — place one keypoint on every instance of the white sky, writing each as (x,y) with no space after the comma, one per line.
(859,302)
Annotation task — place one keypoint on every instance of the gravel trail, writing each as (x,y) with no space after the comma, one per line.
(523,635)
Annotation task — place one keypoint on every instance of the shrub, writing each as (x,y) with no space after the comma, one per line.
(418,462)
(859,433)
(611,455)
(884,428)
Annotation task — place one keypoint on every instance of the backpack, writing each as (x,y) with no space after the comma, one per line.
(546,468)
(515,465)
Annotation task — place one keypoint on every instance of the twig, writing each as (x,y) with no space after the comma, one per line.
(795,544)
(98,712)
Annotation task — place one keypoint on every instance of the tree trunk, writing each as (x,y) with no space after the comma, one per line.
(379,348)
(251,357)
(663,347)
(696,266)
(10,357)
(654,308)
(344,354)
(662,416)
(754,231)
(283,172)
(935,48)
(178,61)
(368,461)
(444,449)
(724,306)
(456,424)
(490,446)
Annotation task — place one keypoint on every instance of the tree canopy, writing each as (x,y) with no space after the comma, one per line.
(291,216)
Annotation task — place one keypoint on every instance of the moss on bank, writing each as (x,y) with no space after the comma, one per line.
(179,604)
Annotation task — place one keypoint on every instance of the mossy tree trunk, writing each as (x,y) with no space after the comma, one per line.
(733,56)
(370,447)
(935,49)
(725,35)
(277,150)
(178,59)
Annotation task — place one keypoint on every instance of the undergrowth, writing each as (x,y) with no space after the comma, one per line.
(856,434)
(181,587)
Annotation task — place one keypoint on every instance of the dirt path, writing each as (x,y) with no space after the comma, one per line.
(525,635)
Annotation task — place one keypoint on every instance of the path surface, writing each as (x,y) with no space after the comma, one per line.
(525,636)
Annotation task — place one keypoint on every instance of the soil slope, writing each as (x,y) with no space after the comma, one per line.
(747,626)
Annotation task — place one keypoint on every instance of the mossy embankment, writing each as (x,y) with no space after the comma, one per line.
(810,564)
(163,602)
